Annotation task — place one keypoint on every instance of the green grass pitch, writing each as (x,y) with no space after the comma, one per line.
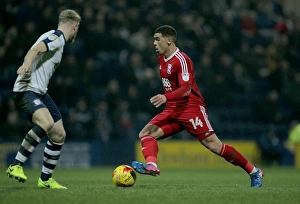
(182,186)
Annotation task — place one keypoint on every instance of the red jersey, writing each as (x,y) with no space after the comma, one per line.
(175,72)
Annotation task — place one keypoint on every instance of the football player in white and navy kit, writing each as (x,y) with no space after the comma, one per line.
(32,100)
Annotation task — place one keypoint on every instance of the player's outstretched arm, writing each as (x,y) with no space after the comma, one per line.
(158,100)
(30,56)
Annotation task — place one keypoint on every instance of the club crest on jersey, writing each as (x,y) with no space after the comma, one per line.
(185,76)
(169,68)
(52,37)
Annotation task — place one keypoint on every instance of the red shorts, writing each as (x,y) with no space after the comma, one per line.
(193,119)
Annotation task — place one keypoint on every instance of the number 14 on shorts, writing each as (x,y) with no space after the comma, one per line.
(196,122)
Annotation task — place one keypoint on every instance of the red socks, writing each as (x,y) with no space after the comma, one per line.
(149,148)
(231,155)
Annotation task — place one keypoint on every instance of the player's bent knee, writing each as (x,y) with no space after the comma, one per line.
(47,126)
(141,134)
(155,135)
(150,130)
(211,146)
(212,143)
(57,136)
(61,136)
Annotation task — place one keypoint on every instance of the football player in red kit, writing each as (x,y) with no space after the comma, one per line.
(185,110)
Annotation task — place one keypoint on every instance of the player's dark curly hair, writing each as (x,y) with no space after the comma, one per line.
(167,30)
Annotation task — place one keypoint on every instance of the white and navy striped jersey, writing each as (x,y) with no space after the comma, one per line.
(44,64)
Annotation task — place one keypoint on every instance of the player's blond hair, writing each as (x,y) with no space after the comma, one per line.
(69,16)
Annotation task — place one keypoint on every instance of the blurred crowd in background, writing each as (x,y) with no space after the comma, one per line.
(246,55)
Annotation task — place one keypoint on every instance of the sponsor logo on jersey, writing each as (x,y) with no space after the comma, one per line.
(37,102)
(52,37)
(169,68)
(185,76)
